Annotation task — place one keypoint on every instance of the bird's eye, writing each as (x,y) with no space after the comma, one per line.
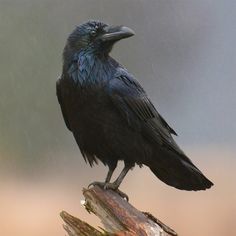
(93,33)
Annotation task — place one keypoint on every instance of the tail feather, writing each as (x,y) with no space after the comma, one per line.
(178,171)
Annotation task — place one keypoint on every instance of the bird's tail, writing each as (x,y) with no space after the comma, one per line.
(178,171)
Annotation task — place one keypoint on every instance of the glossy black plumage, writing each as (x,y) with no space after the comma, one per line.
(111,116)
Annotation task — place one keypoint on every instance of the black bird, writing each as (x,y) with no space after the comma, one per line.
(111,116)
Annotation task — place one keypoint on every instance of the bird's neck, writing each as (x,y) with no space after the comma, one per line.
(93,68)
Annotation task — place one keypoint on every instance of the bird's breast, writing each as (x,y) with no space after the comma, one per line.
(89,106)
(98,123)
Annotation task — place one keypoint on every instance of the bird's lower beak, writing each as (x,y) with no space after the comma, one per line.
(115,33)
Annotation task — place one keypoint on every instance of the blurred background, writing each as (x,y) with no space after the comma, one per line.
(183,54)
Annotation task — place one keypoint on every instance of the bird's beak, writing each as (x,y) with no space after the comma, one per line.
(115,33)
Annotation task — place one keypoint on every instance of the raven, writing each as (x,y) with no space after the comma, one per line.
(111,116)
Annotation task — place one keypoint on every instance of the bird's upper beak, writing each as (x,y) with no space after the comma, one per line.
(115,33)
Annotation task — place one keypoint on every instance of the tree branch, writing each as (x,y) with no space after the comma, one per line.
(117,215)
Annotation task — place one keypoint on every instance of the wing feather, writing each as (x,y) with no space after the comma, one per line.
(60,100)
(132,101)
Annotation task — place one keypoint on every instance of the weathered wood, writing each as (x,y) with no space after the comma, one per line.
(117,215)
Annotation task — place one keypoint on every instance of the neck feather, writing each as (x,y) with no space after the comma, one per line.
(91,68)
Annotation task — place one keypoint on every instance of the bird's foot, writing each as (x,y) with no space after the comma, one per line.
(112,186)
(100,184)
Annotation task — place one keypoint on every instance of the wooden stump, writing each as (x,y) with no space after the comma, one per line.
(118,216)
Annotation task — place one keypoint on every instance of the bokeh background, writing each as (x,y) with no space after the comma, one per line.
(183,54)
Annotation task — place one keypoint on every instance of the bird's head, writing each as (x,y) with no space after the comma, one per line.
(97,37)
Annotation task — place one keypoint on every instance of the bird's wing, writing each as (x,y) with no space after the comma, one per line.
(60,100)
(133,103)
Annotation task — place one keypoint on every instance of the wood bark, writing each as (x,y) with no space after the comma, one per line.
(117,215)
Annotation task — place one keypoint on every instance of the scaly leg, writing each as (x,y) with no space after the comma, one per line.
(108,178)
(115,185)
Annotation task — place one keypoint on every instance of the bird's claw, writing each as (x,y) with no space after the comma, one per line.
(111,186)
(100,184)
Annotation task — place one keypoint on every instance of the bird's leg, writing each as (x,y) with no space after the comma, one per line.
(122,175)
(107,180)
(109,175)
(115,185)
